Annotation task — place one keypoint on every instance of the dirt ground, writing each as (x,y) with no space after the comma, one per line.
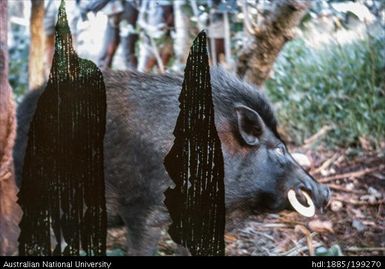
(352,224)
(354,221)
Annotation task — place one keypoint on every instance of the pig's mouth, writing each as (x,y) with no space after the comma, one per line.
(304,206)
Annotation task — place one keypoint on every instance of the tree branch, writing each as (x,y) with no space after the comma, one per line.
(257,59)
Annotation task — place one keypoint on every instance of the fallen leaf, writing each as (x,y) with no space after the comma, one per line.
(350,186)
(302,159)
(371,198)
(335,250)
(230,238)
(379,176)
(374,192)
(320,226)
(369,223)
(284,244)
(358,225)
(302,229)
(336,206)
(357,213)
(329,172)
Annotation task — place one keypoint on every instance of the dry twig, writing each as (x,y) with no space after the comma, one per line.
(308,142)
(326,163)
(358,249)
(355,202)
(352,174)
(343,189)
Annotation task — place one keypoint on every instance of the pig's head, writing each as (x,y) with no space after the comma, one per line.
(259,170)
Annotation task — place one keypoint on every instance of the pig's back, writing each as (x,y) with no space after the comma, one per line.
(141,115)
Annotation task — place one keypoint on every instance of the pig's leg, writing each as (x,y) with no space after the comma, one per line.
(143,233)
(182,251)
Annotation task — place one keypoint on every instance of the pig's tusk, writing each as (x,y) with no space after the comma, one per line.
(301,209)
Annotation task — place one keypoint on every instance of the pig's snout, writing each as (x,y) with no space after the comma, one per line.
(319,193)
(325,194)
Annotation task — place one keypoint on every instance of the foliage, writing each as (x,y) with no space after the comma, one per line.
(18,61)
(339,85)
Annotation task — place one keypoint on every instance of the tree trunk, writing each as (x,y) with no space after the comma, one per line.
(36,50)
(9,210)
(256,60)
(182,40)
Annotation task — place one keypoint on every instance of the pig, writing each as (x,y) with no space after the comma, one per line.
(141,115)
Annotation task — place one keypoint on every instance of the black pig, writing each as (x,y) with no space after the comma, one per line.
(141,114)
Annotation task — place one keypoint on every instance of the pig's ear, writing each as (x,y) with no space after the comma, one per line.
(250,124)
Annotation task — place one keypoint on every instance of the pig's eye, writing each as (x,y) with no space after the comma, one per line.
(280,151)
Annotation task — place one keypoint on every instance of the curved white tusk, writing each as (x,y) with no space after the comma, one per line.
(301,209)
